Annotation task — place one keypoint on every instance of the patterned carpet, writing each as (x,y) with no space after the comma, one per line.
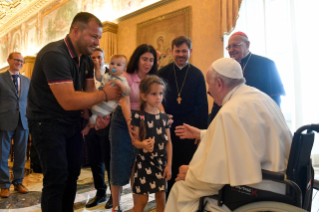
(85,191)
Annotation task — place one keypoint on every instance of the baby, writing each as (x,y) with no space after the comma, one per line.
(117,68)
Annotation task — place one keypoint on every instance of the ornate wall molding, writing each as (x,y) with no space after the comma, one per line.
(110,27)
(19,15)
(29,59)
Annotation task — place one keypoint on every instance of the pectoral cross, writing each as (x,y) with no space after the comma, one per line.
(179,99)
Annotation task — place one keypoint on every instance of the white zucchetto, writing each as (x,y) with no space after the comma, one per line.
(228,67)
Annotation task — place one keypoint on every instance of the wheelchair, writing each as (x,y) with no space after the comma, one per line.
(299,183)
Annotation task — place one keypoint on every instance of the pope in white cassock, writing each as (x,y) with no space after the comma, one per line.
(248,134)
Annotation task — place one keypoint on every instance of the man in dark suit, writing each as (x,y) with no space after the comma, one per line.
(14,89)
(259,72)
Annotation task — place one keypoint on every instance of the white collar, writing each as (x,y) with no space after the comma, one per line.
(180,68)
(230,93)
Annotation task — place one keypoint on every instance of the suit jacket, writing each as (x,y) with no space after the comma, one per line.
(11,105)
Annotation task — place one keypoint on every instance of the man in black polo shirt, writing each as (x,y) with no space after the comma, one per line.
(61,86)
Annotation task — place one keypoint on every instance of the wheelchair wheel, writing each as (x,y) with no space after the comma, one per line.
(269,206)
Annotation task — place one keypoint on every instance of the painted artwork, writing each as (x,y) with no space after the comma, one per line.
(32,40)
(3,51)
(56,24)
(163,30)
(16,42)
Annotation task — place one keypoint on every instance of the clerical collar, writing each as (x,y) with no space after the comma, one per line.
(244,60)
(180,68)
(230,93)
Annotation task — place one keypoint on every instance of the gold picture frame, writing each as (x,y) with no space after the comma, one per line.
(160,31)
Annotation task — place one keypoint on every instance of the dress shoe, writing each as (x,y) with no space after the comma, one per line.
(5,192)
(21,189)
(95,201)
(109,203)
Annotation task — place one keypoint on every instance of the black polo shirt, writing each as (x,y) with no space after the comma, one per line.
(56,63)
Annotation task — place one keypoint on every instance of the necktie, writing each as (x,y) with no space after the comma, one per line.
(15,81)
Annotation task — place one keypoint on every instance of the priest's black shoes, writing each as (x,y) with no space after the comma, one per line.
(109,203)
(95,201)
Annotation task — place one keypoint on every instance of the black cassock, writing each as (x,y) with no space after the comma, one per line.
(193,109)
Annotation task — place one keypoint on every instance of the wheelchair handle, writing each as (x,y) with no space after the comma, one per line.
(309,128)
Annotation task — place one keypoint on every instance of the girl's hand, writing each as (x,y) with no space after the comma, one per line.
(170,119)
(167,173)
(148,144)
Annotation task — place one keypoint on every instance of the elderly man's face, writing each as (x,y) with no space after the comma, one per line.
(213,87)
(238,49)
(89,38)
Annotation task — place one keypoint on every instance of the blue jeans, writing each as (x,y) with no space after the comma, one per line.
(122,150)
(59,148)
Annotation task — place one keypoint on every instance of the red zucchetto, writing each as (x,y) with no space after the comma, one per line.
(240,33)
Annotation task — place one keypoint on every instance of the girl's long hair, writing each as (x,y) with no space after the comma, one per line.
(145,88)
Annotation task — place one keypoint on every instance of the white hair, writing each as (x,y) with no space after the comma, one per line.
(229,83)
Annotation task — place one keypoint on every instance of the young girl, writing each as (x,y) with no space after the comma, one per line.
(154,158)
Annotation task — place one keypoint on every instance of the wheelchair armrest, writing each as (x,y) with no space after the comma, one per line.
(269,175)
(280,177)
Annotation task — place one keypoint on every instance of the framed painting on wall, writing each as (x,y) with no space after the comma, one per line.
(160,31)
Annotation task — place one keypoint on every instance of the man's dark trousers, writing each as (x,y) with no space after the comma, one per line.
(98,147)
(59,146)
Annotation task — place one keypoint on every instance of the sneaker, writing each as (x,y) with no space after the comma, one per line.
(117,209)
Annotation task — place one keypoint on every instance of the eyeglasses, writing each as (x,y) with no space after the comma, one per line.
(233,46)
(17,61)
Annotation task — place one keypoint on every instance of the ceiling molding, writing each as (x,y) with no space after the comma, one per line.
(143,10)
(109,27)
(20,11)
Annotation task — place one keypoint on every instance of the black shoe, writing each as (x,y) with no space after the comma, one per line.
(109,203)
(117,209)
(95,201)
